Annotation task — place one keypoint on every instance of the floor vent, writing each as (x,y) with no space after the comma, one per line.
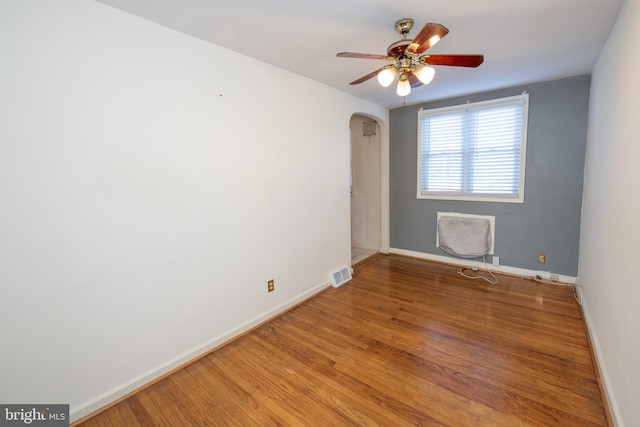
(340,276)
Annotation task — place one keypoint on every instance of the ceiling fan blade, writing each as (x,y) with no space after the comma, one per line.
(413,80)
(367,77)
(427,37)
(364,56)
(453,60)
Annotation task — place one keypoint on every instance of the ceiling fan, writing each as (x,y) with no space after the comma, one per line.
(408,61)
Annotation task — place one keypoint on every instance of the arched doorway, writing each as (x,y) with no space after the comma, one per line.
(366,206)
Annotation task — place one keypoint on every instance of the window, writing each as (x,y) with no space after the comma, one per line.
(474,151)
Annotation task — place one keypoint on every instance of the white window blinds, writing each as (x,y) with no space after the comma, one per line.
(473,151)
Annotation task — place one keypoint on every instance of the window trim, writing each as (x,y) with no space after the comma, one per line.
(524,98)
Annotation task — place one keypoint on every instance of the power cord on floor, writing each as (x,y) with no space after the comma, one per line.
(576,296)
(486,279)
(536,278)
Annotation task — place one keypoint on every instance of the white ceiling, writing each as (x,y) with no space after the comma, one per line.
(523,41)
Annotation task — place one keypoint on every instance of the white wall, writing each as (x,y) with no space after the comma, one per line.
(610,234)
(366,203)
(151,184)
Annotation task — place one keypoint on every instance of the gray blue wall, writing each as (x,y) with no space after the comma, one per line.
(549,219)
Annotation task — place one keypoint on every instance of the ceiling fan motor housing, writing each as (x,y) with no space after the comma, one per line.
(403,26)
(398,48)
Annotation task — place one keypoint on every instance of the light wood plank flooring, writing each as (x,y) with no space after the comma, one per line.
(407,342)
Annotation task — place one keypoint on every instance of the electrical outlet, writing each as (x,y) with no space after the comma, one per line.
(496,260)
(271,286)
(555,278)
(542,258)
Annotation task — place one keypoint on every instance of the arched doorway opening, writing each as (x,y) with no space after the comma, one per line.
(366,176)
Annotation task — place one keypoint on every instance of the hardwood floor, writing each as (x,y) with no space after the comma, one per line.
(407,342)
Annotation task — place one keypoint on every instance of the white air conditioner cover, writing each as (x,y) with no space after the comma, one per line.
(464,237)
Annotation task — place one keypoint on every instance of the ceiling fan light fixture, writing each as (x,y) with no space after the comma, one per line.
(386,76)
(404,87)
(424,73)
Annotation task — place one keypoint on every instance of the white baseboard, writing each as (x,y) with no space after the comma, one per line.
(116,393)
(497,268)
(616,417)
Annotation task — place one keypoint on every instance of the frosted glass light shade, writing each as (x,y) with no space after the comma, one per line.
(404,87)
(424,74)
(386,76)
